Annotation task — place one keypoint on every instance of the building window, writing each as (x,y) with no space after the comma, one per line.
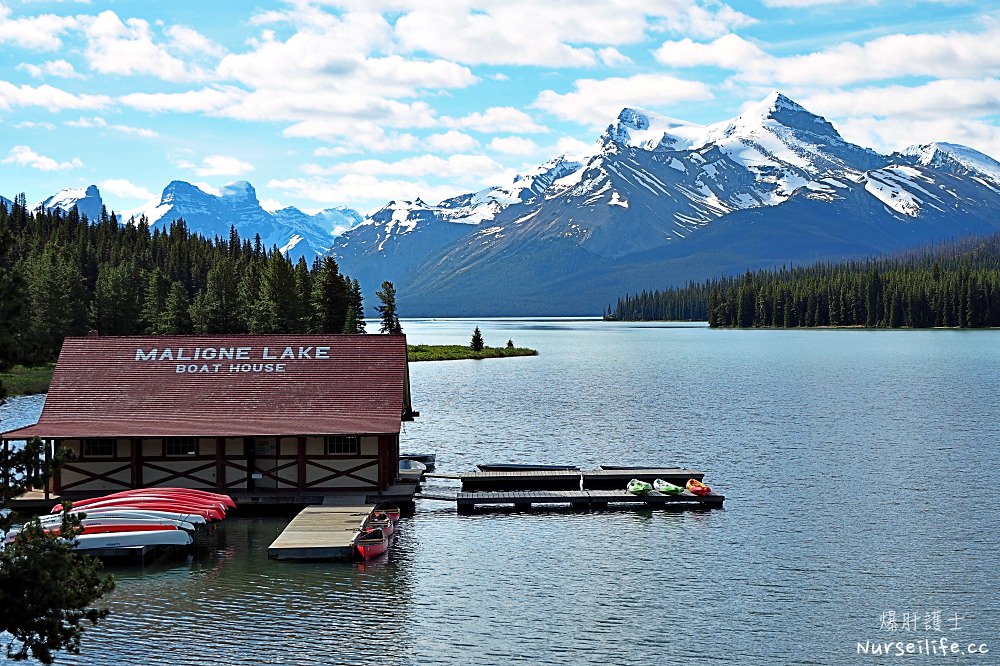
(98,448)
(180,446)
(339,445)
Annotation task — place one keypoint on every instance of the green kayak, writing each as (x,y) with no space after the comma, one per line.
(667,488)
(637,487)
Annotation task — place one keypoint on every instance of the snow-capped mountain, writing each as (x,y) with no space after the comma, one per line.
(661,201)
(292,231)
(87,201)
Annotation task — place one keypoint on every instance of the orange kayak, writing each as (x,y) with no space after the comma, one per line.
(696,487)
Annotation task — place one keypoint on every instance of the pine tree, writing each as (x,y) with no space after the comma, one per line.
(330,298)
(358,307)
(477,340)
(217,309)
(175,319)
(390,320)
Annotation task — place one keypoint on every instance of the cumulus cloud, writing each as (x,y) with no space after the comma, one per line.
(498,119)
(223,165)
(58,68)
(35,33)
(364,188)
(128,49)
(514,145)
(99,122)
(451,141)
(560,33)
(48,97)
(598,101)
(188,40)
(416,166)
(729,52)
(126,189)
(25,156)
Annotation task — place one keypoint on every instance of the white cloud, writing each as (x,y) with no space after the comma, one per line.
(514,145)
(612,57)
(25,156)
(30,124)
(454,166)
(368,189)
(207,100)
(58,68)
(99,122)
(125,189)
(128,49)
(36,33)
(598,101)
(223,165)
(729,52)
(944,98)
(566,33)
(188,40)
(498,119)
(451,141)
(574,149)
(48,97)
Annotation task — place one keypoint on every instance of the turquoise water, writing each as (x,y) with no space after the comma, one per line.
(859,466)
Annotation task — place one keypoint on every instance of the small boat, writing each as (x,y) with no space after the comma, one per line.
(426,458)
(371,543)
(139,538)
(98,529)
(405,464)
(139,522)
(637,487)
(696,487)
(389,509)
(191,494)
(667,488)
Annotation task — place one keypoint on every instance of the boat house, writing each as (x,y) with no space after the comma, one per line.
(262,414)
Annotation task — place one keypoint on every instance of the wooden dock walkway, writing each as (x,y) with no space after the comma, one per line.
(583,499)
(321,533)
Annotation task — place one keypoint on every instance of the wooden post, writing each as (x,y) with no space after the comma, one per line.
(220,463)
(48,464)
(303,480)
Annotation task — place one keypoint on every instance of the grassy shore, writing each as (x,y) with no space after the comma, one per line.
(27,381)
(460,352)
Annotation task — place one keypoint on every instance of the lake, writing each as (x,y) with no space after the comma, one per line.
(860,469)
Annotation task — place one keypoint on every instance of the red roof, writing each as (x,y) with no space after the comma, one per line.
(225,386)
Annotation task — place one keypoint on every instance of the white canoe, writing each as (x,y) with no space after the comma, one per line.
(121,512)
(124,539)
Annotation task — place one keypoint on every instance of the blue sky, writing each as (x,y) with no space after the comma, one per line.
(358,102)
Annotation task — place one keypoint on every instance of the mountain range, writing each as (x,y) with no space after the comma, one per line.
(656,202)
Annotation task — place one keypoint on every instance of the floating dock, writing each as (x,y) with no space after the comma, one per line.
(584,499)
(523,486)
(567,479)
(321,533)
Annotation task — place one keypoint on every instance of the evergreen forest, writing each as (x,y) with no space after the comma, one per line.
(63,275)
(949,285)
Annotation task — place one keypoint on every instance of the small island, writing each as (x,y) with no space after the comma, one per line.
(461,352)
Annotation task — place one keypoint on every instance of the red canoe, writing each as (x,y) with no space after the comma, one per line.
(371,543)
(156,504)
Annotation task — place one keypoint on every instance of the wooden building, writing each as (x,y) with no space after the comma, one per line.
(305,414)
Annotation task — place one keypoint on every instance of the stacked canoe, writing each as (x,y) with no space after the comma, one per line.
(141,517)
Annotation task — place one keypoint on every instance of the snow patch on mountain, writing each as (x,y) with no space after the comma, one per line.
(952,156)
(87,200)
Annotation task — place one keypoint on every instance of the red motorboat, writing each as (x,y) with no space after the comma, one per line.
(371,543)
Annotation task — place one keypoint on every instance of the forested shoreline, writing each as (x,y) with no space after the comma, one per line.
(954,285)
(63,275)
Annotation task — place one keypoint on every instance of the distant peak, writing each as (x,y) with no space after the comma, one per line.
(634,118)
(783,110)
(92,191)
(942,154)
